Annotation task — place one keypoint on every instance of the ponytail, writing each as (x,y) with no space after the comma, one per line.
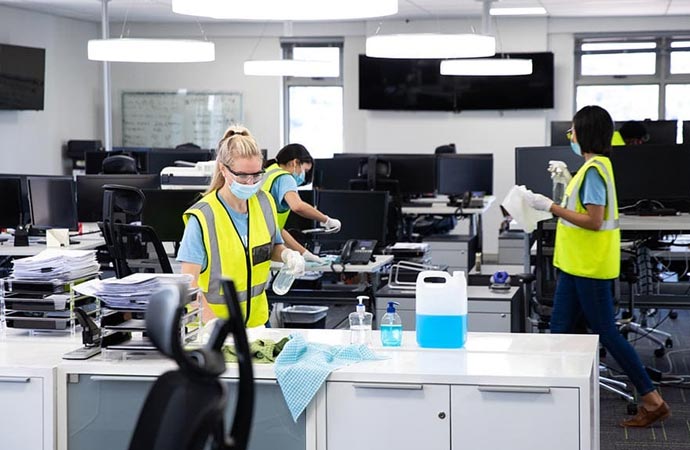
(237,142)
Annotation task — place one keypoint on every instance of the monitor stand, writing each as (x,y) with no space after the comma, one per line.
(21,237)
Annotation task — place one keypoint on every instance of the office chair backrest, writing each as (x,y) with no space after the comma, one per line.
(121,206)
(185,408)
(119,164)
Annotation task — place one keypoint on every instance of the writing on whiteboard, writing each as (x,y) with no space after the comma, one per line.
(168,119)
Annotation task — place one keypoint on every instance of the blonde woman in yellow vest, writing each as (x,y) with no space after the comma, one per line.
(587,252)
(283,175)
(233,232)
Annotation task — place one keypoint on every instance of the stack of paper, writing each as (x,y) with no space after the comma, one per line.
(130,292)
(56,265)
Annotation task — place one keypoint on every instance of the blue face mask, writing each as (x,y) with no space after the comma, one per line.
(244,191)
(576,148)
(299,177)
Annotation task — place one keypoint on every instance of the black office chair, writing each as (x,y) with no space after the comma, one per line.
(379,179)
(185,408)
(121,206)
(119,164)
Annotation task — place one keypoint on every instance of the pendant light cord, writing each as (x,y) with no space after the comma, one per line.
(261,35)
(122,32)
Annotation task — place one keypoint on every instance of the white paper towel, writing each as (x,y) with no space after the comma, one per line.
(523,214)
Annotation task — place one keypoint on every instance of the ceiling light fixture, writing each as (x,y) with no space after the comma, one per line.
(533,11)
(292,68)
(429,45)
(286,10)
(486,67)
(151,50)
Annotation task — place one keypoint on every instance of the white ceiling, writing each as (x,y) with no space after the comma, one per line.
(160,10)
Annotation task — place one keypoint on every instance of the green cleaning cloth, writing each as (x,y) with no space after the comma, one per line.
(263,351)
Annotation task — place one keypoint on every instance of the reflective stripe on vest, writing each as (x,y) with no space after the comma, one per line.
(272,173)
(234,261)
(583,252)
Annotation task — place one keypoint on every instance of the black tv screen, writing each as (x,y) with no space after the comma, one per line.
(417,84)
(22,73)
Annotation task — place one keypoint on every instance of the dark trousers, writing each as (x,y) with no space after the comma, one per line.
(578,296)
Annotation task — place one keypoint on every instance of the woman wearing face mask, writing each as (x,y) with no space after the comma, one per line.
(587,252)
(233,232)
(283,175)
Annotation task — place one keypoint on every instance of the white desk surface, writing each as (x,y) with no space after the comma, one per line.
(680,222)
(441,208)
(528,359)
(379,262)
(86,242)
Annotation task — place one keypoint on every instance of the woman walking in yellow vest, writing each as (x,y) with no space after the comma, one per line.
(233,232)
(283,175)
(587,253)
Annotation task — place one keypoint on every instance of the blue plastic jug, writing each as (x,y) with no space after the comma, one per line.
(441,309)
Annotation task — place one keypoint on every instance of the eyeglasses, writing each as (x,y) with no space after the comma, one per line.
(569,134)
(247,177)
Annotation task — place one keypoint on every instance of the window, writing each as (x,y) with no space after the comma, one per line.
(314,106)
(634,77)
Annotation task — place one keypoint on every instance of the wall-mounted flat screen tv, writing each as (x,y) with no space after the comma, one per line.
(417,85)
(22,76)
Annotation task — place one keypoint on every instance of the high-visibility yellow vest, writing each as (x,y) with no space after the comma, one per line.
(587,253)
(227,256)
(272,173)
(617,139)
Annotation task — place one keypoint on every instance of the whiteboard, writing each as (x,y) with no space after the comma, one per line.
(168,119)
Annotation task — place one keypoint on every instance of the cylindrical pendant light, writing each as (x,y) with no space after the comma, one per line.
(292,68)
(428,45)
(486,67)
(151,50)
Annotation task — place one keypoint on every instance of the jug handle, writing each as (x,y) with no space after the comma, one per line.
(435,274)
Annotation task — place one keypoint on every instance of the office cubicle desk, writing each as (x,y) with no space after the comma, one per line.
(637,228)
(488,395)
(439,207)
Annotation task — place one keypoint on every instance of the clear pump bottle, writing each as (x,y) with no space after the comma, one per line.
(391,327)
(360,323)
(283,281)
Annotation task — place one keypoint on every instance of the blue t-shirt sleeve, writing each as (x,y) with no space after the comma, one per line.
(282,185)
(593,189)
(192,245)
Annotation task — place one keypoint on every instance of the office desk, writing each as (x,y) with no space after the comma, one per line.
(336,294)
(440,208)
(86,242)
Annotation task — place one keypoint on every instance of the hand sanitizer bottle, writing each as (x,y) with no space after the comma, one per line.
(360,323)
(391,327)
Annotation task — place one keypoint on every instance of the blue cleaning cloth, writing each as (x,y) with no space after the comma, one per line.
(302,367)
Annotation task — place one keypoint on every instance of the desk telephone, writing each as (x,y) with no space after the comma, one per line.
(357,251)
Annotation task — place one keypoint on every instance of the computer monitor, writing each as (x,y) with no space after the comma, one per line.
(532,163)
(416,173)
(559,129)
(651,173)
(461,173)
(159,158)
(686,132)
(659,131)
(11,202)
(53,203)
(363,215)
(90,192)
(297,222)
(335,173)
(163,211)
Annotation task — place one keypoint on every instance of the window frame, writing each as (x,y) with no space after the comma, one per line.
(662,76)
(287,46)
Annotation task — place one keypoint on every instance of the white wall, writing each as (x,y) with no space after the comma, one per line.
(31,141)
(364,131)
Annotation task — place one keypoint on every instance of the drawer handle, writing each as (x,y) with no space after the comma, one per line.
(515,389)
(120,378)
(402,387)
(14,379)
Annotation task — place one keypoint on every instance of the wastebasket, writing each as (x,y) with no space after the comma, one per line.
(304,316)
